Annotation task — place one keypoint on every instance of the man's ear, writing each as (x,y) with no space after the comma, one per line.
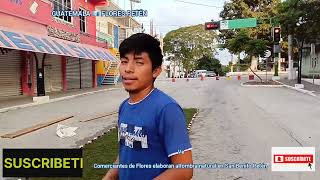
(156,72)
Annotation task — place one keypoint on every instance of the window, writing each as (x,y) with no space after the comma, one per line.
(83,22)
(110,28)
(62,5)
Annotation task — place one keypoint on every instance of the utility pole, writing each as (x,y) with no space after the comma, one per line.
(292,72)
(267,69)
(276,73)
(238,68)
(313,60)
(300,62)
(276,50)
(232,63)
(279,62)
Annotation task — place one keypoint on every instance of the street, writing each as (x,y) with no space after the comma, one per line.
(235,124)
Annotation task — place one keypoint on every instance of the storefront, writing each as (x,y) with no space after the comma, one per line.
(73,73)
(86,73)
(10,73)
(61,65)
(79,73)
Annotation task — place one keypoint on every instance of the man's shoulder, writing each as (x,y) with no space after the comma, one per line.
(122,104)
(162,99)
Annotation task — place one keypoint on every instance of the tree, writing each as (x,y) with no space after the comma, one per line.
(210,64)
(189,44)
(257,38)
(225,69)
(241,42)
(300,19)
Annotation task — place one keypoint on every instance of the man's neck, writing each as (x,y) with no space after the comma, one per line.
(136,97)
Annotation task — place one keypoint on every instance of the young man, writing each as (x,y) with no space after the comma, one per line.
(152,126)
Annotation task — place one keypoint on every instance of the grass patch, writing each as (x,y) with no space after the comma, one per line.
(189,114)
(104,150)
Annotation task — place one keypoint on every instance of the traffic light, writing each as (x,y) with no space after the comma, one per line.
(276,34)
(212,25)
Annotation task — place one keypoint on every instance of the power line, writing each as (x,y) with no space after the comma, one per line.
(198,4)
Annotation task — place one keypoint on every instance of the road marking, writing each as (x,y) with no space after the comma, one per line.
(34,128)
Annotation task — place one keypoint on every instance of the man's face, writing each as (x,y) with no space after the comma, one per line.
(136,72)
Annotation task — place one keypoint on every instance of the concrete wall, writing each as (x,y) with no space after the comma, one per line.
(307,70)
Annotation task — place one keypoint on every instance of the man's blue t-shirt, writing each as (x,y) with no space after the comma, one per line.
(150,132)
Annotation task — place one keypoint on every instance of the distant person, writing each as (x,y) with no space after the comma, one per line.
(152,127)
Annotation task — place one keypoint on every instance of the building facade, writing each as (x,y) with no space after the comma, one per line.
(113,30)
(310,60)
(41,52)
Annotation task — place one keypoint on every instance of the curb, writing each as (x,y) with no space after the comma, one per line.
(299,90)
(269,86)
(95,138)
(193,118)
(3,110)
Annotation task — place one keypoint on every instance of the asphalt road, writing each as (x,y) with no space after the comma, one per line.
(235,124)
(241,124)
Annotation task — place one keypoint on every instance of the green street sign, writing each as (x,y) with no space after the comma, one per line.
(238,23)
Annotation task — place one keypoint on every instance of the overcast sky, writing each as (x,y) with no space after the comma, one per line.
(168,15)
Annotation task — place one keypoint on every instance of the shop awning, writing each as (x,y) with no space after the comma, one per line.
(13,39)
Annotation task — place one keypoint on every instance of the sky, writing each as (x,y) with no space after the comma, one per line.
(168,15)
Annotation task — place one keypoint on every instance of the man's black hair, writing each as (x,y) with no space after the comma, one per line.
(141,42)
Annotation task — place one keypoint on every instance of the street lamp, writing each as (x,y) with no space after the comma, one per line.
(299,23)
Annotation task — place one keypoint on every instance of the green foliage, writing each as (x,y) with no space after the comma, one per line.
(263,10)
(241,42)
(210,64)
(256,47)
(243,64)
(252,41)
(300,19)
(189,44)
(237,43)
(225,69)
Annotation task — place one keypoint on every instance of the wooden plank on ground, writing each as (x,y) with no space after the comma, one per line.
(34,128)
(99,116)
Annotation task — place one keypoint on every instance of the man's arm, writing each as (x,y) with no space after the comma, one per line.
(178,174)
(112,174)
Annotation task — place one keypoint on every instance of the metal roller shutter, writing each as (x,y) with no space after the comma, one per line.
(86,73)
(53,73)
(73,73)
(10,74)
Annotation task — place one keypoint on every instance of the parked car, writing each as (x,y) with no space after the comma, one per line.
(192,75)
(210,74)
(198,73)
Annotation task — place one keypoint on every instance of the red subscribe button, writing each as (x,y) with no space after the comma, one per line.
(293,158)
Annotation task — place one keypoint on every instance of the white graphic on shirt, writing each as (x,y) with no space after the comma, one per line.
(131,137)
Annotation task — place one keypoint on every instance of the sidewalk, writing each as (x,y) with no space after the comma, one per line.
(316,81)
(308,85)
(25,100)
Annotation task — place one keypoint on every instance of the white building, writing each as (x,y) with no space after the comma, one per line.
(172,67)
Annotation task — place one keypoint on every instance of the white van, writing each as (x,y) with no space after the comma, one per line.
(198,73)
